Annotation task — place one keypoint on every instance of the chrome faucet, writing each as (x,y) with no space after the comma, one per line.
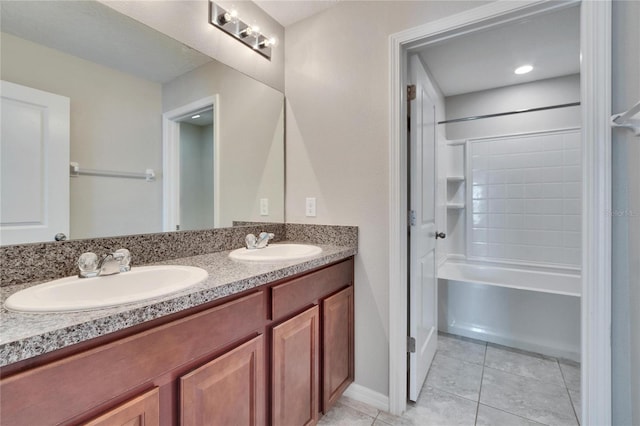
(109,264)
(258,243)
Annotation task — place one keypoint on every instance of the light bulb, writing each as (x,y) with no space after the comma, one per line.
(246,32)
(224,18)
(269,42)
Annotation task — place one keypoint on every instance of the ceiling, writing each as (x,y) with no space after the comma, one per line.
(98,33)
(288,12)
(486,60)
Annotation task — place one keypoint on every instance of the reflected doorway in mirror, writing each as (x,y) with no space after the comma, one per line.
(190,162)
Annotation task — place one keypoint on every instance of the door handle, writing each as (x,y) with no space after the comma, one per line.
(441,235)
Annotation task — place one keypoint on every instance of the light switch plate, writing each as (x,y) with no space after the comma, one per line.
(264,207)
(310,207)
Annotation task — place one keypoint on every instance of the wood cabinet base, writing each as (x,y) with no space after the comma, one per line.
(277,355)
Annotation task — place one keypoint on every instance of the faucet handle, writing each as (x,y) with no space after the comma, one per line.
(250,241)
(267,235)
(123,256)
(88,264)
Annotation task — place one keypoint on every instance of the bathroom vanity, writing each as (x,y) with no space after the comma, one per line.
(277,351)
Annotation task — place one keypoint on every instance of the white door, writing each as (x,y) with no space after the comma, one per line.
(422,231)
(34,165)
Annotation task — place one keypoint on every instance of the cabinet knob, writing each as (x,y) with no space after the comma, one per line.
(441,235)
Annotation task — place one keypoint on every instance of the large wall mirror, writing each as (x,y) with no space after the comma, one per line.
(137,101)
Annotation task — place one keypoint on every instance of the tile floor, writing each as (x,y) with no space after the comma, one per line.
(475,383)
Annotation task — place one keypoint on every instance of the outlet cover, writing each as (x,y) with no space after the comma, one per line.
(310,207)
(264,207)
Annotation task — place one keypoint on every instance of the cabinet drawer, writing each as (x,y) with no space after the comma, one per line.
(291,296)
(117,367)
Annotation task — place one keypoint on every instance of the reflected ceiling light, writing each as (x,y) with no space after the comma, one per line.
(249,35)
(195,116)
(523,69)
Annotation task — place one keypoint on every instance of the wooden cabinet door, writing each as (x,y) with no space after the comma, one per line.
(295,370)
(141,411)
(230,390)
(337,346)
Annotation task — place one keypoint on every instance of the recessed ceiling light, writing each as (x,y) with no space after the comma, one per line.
(195,116)
(523,69)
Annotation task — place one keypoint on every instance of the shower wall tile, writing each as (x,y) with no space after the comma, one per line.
(525,199)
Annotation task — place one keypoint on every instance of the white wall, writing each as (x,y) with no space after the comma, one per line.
(625,289)
(188,22)
(553,91)
(250,138)
(129,140)
(337,83)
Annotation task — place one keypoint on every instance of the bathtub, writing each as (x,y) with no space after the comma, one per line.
(532,309)
(548,281)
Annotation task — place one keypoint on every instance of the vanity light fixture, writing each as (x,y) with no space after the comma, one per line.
(249,35)
(195,116)
(523,69)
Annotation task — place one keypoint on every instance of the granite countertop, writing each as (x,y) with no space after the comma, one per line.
(24,336)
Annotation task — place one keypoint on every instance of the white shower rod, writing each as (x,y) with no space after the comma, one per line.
(500,114)
(626,120)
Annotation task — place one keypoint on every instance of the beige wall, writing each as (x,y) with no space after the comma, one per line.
(188,22)
(337,84)
(251,138)
(115,125)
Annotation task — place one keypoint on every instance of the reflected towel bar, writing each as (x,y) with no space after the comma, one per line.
(75,170)
(624,119)
(500,114)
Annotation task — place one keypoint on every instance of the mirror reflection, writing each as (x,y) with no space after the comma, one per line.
(131,95)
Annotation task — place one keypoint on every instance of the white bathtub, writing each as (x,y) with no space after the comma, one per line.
(486,302)
(565,282)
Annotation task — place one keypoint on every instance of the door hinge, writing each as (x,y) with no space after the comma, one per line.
(411,344)
(412,217)
(411,92)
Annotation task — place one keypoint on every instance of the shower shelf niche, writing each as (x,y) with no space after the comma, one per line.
(455,198)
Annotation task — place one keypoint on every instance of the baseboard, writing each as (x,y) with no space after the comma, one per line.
(367,396)
(569,353)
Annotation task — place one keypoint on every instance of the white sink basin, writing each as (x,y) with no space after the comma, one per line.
(276,253)
(79,294)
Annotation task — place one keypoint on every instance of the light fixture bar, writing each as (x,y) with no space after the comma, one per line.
(229,22)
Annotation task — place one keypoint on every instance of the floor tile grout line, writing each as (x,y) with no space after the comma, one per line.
(484,360)
(528,377)
(513,414)
(453,358)
(451,393)
(566,386)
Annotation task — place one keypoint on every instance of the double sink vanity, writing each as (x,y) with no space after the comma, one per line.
(252,342)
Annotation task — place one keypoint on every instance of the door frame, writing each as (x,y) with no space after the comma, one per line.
(171,161)
(595,43)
